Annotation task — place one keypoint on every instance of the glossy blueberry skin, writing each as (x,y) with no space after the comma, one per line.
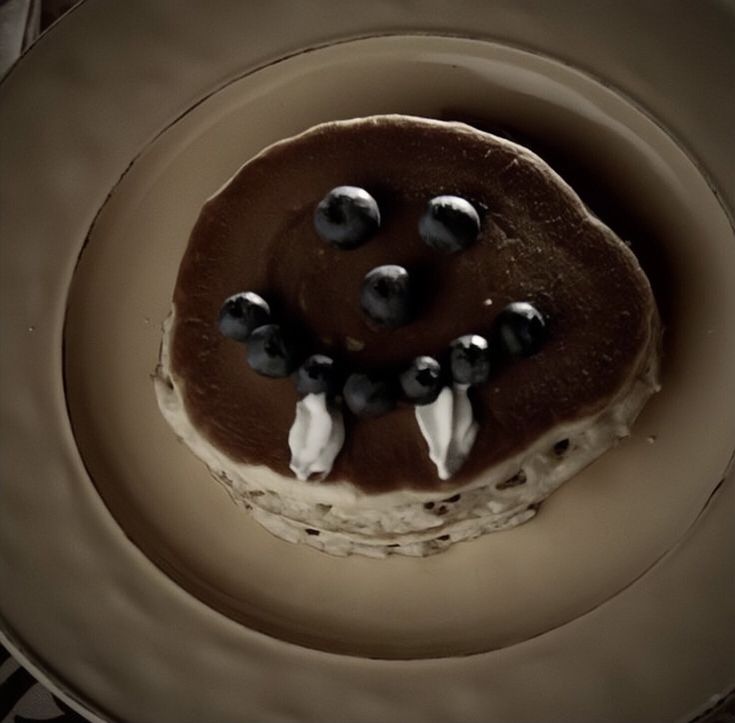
(270,352)
(368,395)
(520,329)
(241,314)
(422,381)
(386,296)
(317,375)
(347,217)
(449,224)
(469,358)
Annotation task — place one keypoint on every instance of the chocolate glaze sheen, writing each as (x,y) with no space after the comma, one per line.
(536,244)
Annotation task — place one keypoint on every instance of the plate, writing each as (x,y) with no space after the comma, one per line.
(112,554)
(499,590)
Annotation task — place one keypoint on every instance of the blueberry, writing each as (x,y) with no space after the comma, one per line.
(521,329)
(422,381)
(242,313)
(270,352)
(317,375)
(369,395)
(386,296)
(346,217)
(449,224)
(470,359)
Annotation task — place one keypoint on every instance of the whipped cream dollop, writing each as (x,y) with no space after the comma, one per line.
(316,437)
(449,428)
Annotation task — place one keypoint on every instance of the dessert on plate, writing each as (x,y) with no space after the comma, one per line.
(392,333)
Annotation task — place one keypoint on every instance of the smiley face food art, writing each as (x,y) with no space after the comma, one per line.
(391,334)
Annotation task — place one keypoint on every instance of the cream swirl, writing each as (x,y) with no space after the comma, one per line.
(449,428)
(316,437)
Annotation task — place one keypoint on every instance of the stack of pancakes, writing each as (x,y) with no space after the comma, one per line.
(541,419)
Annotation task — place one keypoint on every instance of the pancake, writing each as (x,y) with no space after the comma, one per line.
(538,419)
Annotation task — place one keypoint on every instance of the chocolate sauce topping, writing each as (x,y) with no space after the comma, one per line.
(537,243)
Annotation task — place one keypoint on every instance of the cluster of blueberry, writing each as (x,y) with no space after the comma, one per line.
(346,218)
